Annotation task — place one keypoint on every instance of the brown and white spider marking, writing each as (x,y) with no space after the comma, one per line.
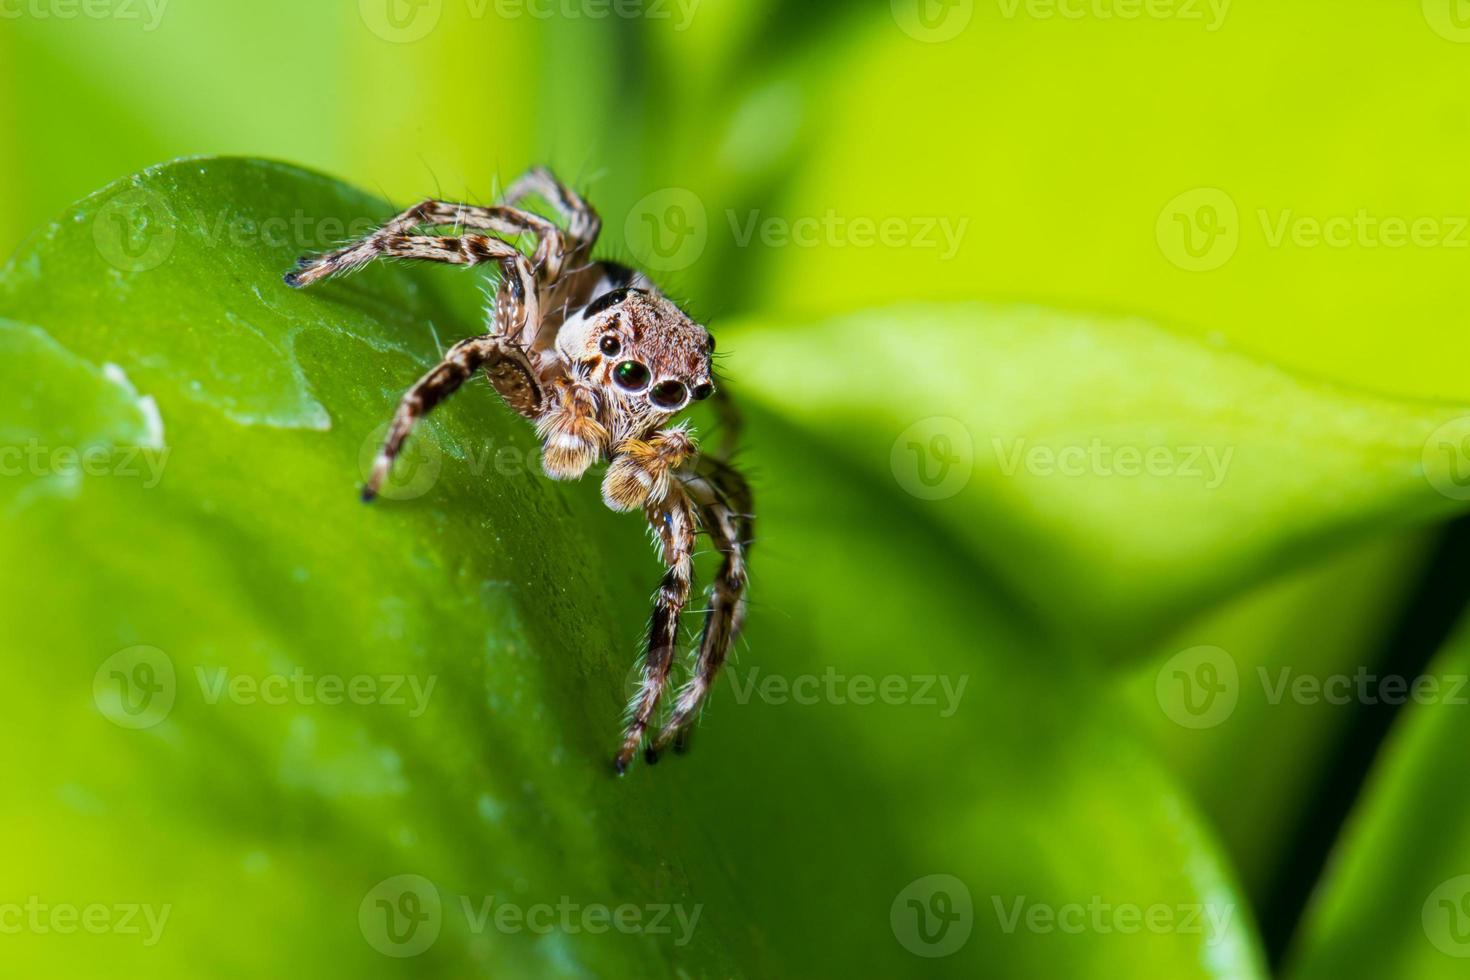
(602,362)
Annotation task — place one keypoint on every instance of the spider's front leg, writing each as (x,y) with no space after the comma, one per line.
(641,472)
(675,523)
(724,504)
(571,435)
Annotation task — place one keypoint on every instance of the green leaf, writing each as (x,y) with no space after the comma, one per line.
(890,718)
(1022,193)
(1396,899)
(1325,620)
(1117,477)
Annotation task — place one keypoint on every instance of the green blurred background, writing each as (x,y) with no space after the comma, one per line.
(1280,181)
(1056,135)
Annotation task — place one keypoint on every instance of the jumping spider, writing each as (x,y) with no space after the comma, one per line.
(602,362)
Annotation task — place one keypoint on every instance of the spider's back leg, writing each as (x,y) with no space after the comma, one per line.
(508,222)
(583,223)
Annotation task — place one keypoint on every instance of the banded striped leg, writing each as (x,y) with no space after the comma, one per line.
(498,352)
(506,221)
(509,371)
(724,502)
(517,303)
(583,223)
(675,523)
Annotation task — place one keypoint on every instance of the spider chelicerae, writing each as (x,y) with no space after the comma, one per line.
(602,362)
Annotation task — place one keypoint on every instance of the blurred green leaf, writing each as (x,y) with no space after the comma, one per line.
(1330,618)
(1118,477)
(950,735)
(1040,153)
(1396,899)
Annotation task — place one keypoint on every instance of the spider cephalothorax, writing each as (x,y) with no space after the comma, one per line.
(602,362)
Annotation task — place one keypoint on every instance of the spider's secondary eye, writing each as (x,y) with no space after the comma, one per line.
(631,375)
(711,343)
(610,345)
(702,391)
(667,394)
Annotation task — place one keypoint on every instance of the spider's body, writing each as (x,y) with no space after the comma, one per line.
(602,362)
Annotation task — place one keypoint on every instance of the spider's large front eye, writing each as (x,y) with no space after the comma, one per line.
(668,394)
(610,345)
(631,375)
